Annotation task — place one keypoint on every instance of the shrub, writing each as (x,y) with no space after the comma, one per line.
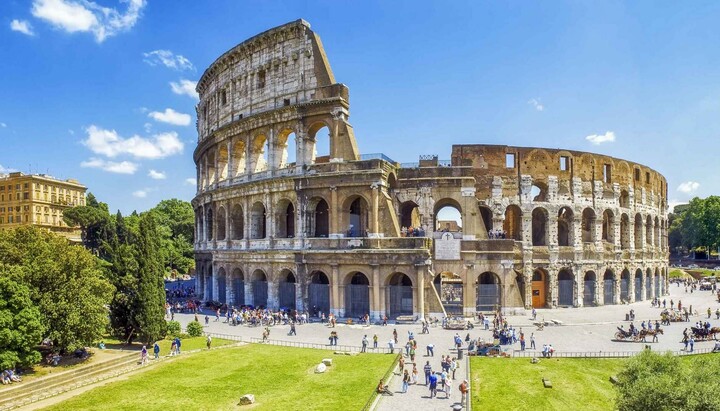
(173,328)
(194,329)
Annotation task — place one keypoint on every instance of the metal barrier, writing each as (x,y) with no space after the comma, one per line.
(297,344)
(371,401)
(603,354)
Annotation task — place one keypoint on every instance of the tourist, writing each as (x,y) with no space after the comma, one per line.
(292,329)
(395,335)
(405,381)
(448,388)
(401,364)
(173,348)
(414,374)
(156,350)
(207,319)
(453,367)
(178,343)
(433,384)
(209,342)
(101,345)
(443,378)
(522,341)
(375,341)
(364,343)
(692,343)
(391,346)
(383,389)
(464,388)
(143,355)
(430,348)
(428,371)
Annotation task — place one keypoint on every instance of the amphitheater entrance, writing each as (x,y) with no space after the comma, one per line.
(609,287)
(449,287)
(221,285)
(589,289)
(260,289)
(539,288)
(488,292)
(238,285)
(409,215)
(648,286)
(638,285)
(400,296)
(625,286)
(319,294)
(566,286)
(357,296)
(287,290)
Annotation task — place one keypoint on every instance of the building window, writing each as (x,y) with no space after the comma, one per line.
(509,160)
(637,174)
(564,163)
(261,79)
(25,185)
(223,98)
(647,177)
(26,196)
(607,171)
(286,102)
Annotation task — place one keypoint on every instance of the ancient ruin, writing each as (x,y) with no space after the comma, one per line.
(280,225)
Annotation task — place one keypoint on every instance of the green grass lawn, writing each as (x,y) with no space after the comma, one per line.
(281,378)
(516,384)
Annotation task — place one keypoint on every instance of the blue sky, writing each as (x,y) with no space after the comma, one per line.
(101,90)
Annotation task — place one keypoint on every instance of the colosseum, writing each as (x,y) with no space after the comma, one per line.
(290,215)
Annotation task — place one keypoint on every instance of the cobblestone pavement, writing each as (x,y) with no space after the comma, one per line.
(582,329)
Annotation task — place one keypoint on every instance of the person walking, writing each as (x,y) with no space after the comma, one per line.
(464,387)
(433,384)
(405,381)
(430,348)
(414,375)
(532,341)
(156,350)
(375,341)
(395,337)
(364,343)
(453,367)
(448,388)
(428,371)
(522,341)
(178,343)
(692,343)
(143,355)
(209,342)
(292,329)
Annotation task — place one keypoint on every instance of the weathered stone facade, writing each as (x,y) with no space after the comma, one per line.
(325,233)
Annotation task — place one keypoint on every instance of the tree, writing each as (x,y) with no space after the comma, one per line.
(176,226)
(21,328)
(150,315)
(92,219)
(66,283)
(653,381)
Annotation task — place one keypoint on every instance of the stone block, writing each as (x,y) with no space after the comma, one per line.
(546,383)
(247,399)
(320,368)
(613,379)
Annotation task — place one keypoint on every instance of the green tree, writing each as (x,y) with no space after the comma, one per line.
(21,327)
(66,283)
(150,315)
(176,226)
(92,219)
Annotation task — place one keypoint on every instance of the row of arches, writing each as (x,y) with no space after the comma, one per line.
(264,150)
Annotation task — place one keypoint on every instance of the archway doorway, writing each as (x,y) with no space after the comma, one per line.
(625,286)
(448,216)
(589,288)
(566,285)
(238,284)
(638,285)
(287,289)
(449,287)
(513,223)
(357,218)
(260,289)
(539,288)
(400,295)
(609,287)
(488,292)
(319,294)
(648,285)
(222,289)
(409,215)
(357,296)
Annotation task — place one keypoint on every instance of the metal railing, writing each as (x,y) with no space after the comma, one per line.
(370,403)
(376,156)
(603,354)
(298,344)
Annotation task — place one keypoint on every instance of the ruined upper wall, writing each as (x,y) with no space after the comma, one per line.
(283,66)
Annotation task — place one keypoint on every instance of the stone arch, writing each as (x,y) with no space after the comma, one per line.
(392,183)
(355,214)
(259,152)
(589,288)
(648,230)
(625,285)
(409,215)
(451,218)
(487,218)
(489,292)
(237,217)
(566,288)
(319,218)
(209,223)
(357,294)
(565,231)
(320,151)
(624,199)
(638,232)
(285,219)
(220,221)
(539,191)
(399,295)
(211,176)
(239,157)
(238,286)
(286,148)
(513,222)
(540,279)
(258,221)
(659,283)
(638,285)
(588,225)
(540,226)
(223,162)
(648,285)
(259,288)
(221,285)
(608,227)
(624,231)
(609,287)
(657,232)
(287,290)
(319,293)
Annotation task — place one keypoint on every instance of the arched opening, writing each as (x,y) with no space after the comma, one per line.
(566,288)
(285,219)
(221,286)
(287,290)
(357,217)
(625,285)
(659,284)
(210,167)
(487,219)
(539,227)
(258,221)
(488,292)
(238,285)
(259,153)
(286,149)
(238,222)
(400,295)
(624,199)
(260,289)
(588,226)
(319,141)
(624,232)
(608,227)
(208,284)
(209,223)
(223,163)
(409,215)
(657,232)
(589,288)
(539,288)
(638,285)
(448,216)
(513,222)
(538,192)
(565,227)
(200,221)
(609,287)
(320,218)
(221,218)
(357,296)
(449,287)
(319,294)
(648,231)
(638,232)
(238,157)
(648,285)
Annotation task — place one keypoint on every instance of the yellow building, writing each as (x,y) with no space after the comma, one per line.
(39,199)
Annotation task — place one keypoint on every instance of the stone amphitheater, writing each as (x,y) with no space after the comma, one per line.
(290,215)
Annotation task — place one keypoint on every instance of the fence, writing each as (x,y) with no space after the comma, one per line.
(369,404)
(297,344)
(602,354)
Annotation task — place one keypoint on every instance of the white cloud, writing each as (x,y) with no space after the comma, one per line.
(535,102)
(171,116)
(168,59)
(192,181)
(122,167)
(185,87)
(140,193)
(110,144)
(596,139)
(4,170)
(147,127)
(3,125)
(87,16)
(157,175)
(688,187)
(22,26)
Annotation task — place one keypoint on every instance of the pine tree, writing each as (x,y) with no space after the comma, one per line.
(150,312)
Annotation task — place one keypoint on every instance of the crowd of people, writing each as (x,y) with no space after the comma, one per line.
(180,293)
(9,376)
(496,234)
(412,232)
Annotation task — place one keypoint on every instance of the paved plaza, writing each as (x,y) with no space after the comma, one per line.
(582,330)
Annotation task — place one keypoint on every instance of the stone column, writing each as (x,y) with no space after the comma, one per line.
(631,287)
(552,230)
(231,161)
(374,217)
(599,285)
(617,276)
(579,286)
(273,293)
(553,286)
(577,232)
(246,218)
(420,271)
(215,285)
(527,274)
(334,211)
(652,284)
(249,295)
(375,310)
(229,289)
(269,215)
(526,228)
(228,224)
(335,304)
